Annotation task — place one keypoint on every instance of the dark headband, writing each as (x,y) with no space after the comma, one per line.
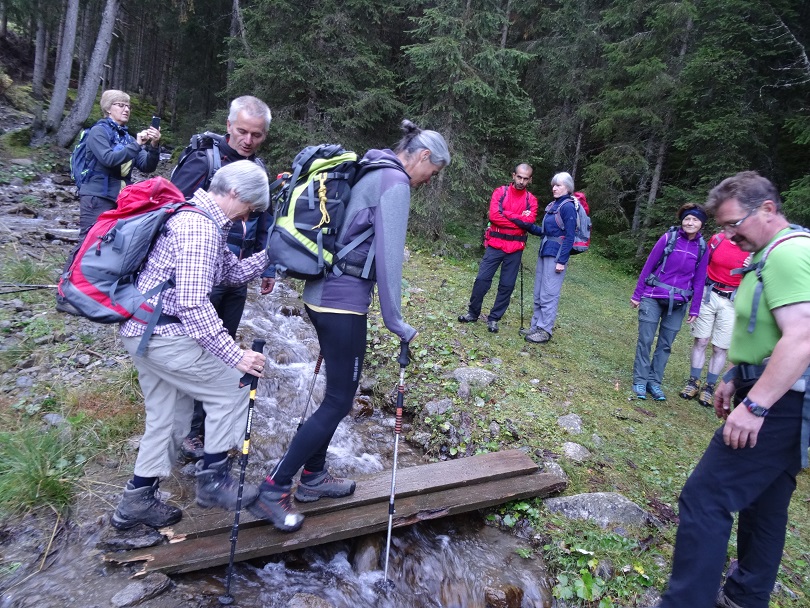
(697,212)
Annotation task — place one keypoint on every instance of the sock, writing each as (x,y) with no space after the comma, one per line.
(712,378)
(271,485)
(695,372)
(143,482)
(209,459)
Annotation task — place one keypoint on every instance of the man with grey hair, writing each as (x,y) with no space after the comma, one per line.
(190,354)
(751,463)
(247,124)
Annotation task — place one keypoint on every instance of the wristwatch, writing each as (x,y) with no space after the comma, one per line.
(755,408)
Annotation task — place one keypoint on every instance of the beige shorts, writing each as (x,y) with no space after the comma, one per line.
(716,320)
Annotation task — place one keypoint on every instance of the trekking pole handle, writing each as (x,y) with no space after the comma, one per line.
(248,378)
(404,358)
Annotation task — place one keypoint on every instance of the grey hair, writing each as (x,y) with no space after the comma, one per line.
(749,188)
(253,107)
(111,96)
(416,139)
(563,179)
(247,180)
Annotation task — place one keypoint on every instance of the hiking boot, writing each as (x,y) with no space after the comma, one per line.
(640,391)
(540,336)
(62,305)
(691,389)
(706,398)
(192,448)
(275,506)
(656,392)
(142,506)
(314,486)
(492,327)
(526,331)
(216,487)
(723,601)
(467,318)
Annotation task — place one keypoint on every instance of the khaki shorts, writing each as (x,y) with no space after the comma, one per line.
(716,320)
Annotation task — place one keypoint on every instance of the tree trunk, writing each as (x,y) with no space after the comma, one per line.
(234,34)
(59,36)
(505,29)
(40,65)
(577,150)
(61,81)
(87,92)
(84,46)
(3,18)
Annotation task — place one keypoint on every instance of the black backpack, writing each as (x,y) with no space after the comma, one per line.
(209,142)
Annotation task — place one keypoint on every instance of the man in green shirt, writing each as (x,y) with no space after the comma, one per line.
(752,461)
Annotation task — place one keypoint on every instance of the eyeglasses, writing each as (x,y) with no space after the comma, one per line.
(120,104)
(733,226)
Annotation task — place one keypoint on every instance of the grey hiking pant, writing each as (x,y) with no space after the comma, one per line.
(547,287)
(174,371)
(652,313)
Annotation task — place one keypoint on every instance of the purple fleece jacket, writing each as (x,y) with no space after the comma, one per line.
(682,270)
(382,199)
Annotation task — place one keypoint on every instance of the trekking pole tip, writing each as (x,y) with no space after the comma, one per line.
(226,600)
(384,585)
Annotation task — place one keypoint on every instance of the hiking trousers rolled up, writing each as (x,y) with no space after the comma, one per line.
(547,287)
(756,482)
(90,207)
(174,371)
(652,317)
(510,265)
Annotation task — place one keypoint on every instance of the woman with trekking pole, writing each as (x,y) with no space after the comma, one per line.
(338,306)
(674,274)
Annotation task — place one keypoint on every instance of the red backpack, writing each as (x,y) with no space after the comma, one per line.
(100,282)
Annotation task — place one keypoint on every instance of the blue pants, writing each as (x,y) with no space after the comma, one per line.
(756,482)
(652,317)
(229,302)
(510,266)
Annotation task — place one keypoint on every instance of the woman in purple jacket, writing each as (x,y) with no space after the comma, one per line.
(673,274)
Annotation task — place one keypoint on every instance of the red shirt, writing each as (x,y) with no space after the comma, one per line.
(725,257)
(514,205)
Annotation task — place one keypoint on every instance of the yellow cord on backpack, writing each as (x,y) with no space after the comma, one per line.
(325,219)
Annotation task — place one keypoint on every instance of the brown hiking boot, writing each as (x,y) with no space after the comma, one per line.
(691,389)
(706,398)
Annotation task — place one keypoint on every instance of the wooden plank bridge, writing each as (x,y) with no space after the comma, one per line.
(202,538)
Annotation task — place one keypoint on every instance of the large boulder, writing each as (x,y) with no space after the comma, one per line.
(603,508)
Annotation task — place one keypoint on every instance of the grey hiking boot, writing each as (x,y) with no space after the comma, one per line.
(312,487)
(467,318)
(526,331)
(142,506)
(216,487)
(724,601)
(540,336)
(275,506)
(492,326)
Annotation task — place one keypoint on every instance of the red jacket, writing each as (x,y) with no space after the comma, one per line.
(503,234)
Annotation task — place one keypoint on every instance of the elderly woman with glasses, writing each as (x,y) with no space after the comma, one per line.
(674,274)
(111,153)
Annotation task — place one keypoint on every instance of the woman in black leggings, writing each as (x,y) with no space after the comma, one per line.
(338,306)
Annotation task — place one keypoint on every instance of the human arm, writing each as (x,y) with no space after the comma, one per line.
(699,285)
(568,214)
(652,261)
(789,360)
(111,156)
(149,156)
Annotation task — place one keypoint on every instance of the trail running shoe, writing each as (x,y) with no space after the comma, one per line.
(656,392)
(467,318)
(640,391)
(276,507)
(706,398)
(691,389)
(314,486)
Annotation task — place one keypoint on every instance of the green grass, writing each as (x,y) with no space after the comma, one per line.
(648,448)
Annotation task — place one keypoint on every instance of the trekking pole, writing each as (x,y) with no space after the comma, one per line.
(521,294)
(311,387)
(253,381)
(403,360)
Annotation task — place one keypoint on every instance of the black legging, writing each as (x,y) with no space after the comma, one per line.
(342,338)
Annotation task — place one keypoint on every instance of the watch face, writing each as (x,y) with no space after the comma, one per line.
(756,410)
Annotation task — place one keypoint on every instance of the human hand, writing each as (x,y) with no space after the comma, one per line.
(142,137)
(634,303)
(153,135)
(691,318)
(741,428)
(559,268)
(267,285)
(526,213)
(722,399)
(251,363)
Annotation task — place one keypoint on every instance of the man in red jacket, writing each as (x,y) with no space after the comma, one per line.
(504,242)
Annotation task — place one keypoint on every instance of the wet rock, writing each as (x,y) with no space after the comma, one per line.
(367,555)
(603,508)
(363,408)
(135,593)
(438,407)
(422,439)
(307,600)
(507,596)
(139,537)
(571,423)
(474,376)
(574,451)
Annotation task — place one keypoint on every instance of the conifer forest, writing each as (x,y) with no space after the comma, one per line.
(646,103)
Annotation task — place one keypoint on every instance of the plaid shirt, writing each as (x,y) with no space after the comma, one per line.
(194,251)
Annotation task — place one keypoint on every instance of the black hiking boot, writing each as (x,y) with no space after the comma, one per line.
(142,506)
(467,318)
(492,327)
(216,487)
(192,448)
(314,486)
(275,506)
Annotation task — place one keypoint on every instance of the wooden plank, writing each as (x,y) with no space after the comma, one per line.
(208,551)
(372,488)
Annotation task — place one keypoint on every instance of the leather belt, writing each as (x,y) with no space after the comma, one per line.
(721,293)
